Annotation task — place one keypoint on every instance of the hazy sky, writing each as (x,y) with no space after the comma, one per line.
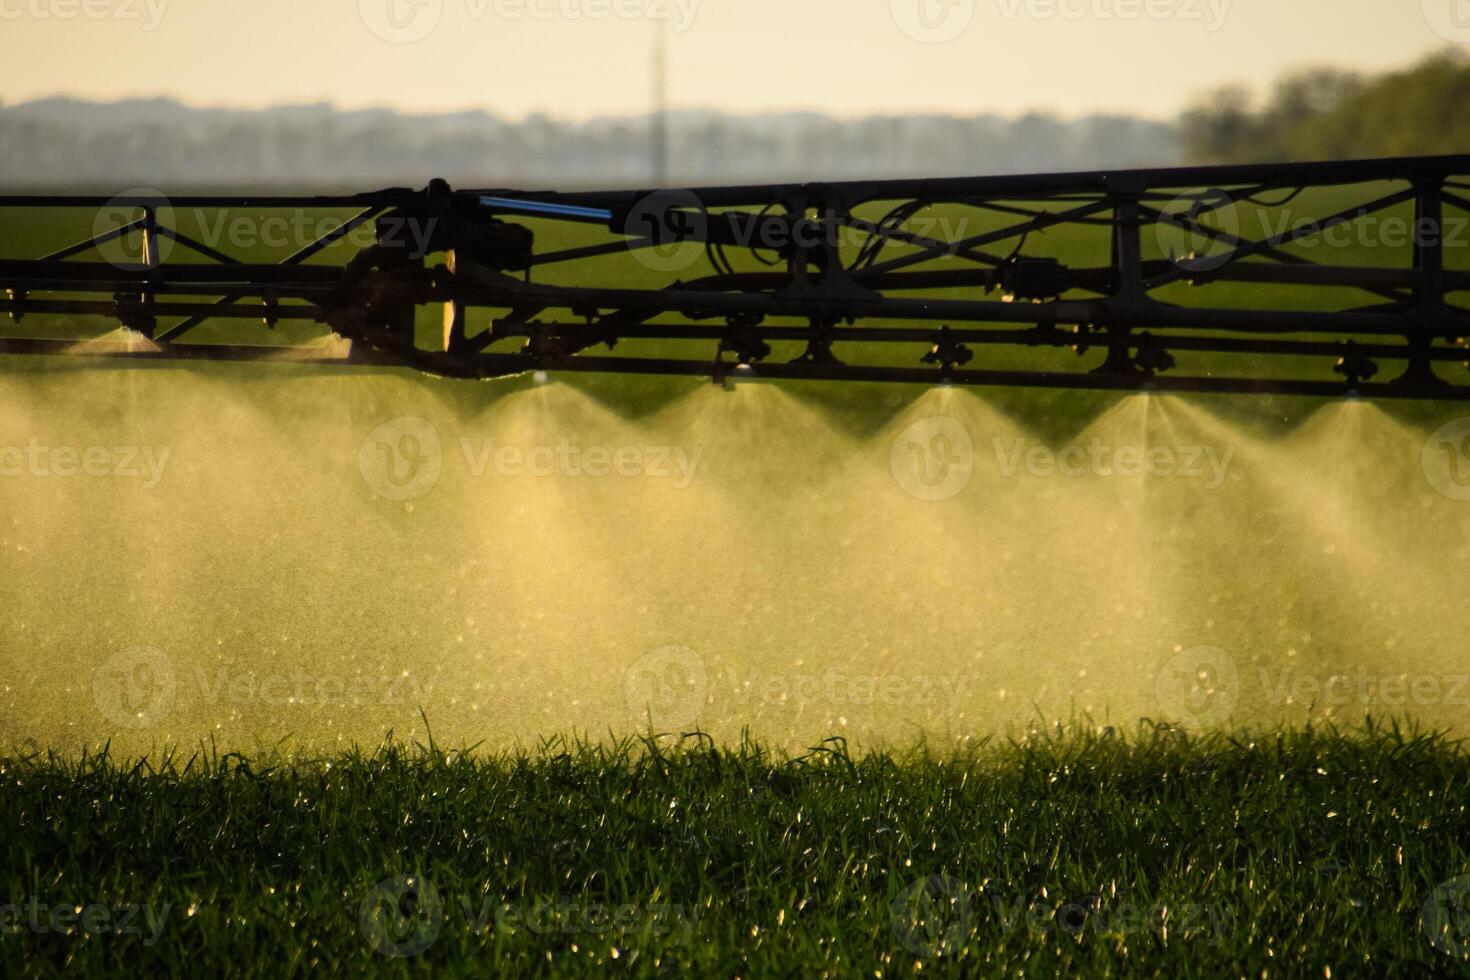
(590,57)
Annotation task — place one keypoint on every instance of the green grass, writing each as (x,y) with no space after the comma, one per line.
(1080,853)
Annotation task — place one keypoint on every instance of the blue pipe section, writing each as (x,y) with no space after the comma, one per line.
(541,207)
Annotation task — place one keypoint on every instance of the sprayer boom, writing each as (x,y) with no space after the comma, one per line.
(1315,279)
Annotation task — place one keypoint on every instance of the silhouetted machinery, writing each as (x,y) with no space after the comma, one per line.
(1315,279)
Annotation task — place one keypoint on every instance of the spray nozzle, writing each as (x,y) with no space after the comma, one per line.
(1151,357)
(745,342)
(1354,365)
(947,352)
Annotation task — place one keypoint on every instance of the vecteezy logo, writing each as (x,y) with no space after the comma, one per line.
(1199,231)
(667,687)
(401,21)
(401,917)
(932,21)
(933,917)
(667,230)
(135,688)
(1450,19)
(933,459)
(401,459)
(1446,918)
(1198,686)
(121,228)
(1446,459)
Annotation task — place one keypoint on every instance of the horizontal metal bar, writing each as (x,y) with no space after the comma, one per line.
(1101,312)
(1119,181)
(28,273)
(100,347)
(1321,173)
(1027,338)
(390,197)
(590,251)
(502,365)
(162,308)
(964,377)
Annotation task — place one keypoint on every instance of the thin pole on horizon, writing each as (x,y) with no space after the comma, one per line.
(660,116)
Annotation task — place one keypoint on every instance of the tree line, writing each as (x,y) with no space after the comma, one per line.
(1312,114)
(1328,114)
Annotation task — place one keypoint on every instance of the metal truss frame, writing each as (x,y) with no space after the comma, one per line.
(799,263)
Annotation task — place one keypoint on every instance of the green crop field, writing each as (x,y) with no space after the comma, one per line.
(1091,853)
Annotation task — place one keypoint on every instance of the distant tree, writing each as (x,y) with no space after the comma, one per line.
(1408,113)
(1298,102)
(1330,114)
(1221,128)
